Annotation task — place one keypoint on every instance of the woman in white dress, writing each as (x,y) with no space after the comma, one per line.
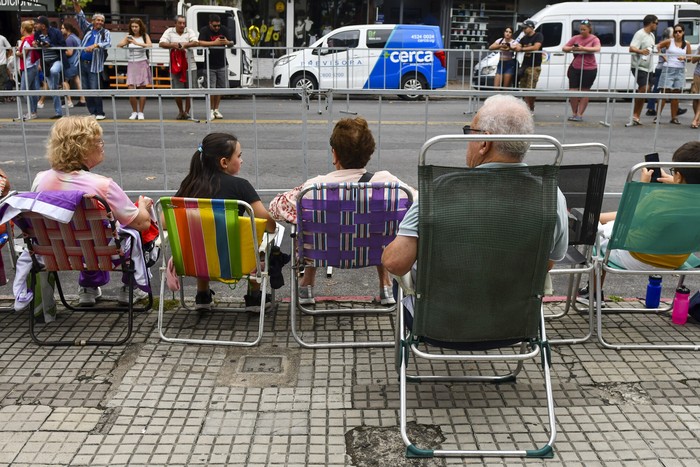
(138,70)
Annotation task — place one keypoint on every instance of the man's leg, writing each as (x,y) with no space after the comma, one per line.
(56,79)
(86,79)
(98,100)
(639,103)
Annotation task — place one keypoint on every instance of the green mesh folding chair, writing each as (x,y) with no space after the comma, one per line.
(346,226)
(583,186)
(207,239)
(652,219)
(485,238)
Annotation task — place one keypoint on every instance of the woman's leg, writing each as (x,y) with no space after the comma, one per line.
(202,285)
(497,81)
(573,101)
(133,100)
(674,104)
(582,104)
(309,277)
(507,79)
(142,100)
(384,278)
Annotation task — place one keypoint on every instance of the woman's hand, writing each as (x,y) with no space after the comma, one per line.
(145,202)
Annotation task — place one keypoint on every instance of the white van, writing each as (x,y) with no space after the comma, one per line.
(375,56)
(614,23)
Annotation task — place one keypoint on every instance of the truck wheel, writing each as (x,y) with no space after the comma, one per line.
(412,82)
(303,81)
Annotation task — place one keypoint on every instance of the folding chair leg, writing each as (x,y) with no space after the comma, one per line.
(65,343)
(412,451)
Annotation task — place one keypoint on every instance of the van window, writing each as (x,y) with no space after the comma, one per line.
(691,32)
(603,29)
(552,34)
(344,40)
(377,38)
(629,27)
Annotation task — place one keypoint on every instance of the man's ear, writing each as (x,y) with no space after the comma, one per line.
(485,147)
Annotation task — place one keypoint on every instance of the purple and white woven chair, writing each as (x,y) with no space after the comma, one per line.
(346,226)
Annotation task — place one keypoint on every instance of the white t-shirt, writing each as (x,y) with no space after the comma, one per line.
(4,47)
(171,36)
(136,53)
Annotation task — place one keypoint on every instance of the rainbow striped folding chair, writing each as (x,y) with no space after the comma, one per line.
(88,242)
(208,239)
(344,225)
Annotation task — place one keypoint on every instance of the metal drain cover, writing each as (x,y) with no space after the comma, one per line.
(253,364)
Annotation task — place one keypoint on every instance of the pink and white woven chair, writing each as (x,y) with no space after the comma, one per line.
(346,226)
(88,242)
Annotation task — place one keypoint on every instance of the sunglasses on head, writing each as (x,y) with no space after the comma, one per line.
(585,21)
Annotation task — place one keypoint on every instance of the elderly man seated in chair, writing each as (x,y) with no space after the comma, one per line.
(500,114)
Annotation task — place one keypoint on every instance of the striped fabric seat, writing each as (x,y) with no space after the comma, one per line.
(209,240)
(88,243)
(347,225)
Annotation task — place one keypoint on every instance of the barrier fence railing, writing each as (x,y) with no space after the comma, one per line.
(333,103)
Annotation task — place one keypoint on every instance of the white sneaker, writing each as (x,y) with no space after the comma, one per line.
(140,116)
(211,115)
(88,296)
(124,295)
(217,114)
(68,105)
(133,116)
(386,295)
(40,105)
(99,117)
(306,295)
(28,116)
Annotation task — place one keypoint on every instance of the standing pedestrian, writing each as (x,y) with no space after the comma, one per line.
(71,74)
(92,59)
(183,70)
(507,62)
(531,44)
(695,89)
(584,68)
(217,37)
(673,73)
(5,54)
(52,59)
(28,66)
(641,48)
(138,70)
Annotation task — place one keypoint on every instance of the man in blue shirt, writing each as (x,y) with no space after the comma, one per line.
(500,114)
(92,59)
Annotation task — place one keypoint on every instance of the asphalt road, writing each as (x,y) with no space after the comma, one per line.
(284,142)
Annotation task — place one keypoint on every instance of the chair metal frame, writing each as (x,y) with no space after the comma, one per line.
(11,248)
(538,347)
(577,269)
(260,276)
(114,249)
(297,267)
(603,266)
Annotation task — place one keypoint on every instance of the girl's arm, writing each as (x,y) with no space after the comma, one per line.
(261,213)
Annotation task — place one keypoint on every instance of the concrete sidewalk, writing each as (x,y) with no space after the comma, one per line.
(154,403)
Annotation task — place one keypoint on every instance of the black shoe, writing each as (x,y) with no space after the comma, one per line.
(681,111)
(80,104)
(652,113)
(252,301)
(56,117)
(203,300)
(583,297)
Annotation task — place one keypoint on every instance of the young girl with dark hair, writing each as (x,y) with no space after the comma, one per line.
(212,175)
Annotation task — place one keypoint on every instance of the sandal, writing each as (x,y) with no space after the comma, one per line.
(633,122)
(695,125)
(675,121)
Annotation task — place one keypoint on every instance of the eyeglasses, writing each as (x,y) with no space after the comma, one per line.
(215,25)
(672,171)
(679,31)
(467,129)
(655,22)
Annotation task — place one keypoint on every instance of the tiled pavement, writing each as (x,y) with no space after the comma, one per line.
(154,403)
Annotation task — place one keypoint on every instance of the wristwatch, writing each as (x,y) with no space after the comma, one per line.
(179,45)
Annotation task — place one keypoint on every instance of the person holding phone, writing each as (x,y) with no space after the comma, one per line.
(507,63)
(138,70)
(584,68)
(653,206)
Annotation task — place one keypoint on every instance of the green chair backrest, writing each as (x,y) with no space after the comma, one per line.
(484,241)
(657,218)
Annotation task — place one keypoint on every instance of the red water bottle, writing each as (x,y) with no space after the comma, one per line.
(680,305)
